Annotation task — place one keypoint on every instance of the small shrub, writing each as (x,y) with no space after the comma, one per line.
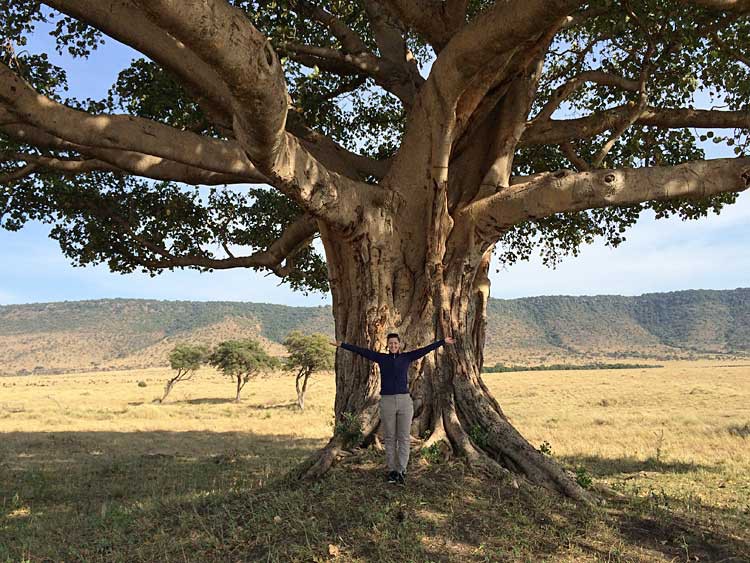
(545,448)
(583,477)
(141,384)
(479,436)
(350,429)
(432,454)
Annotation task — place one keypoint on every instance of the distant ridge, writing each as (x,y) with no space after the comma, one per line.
(134,333)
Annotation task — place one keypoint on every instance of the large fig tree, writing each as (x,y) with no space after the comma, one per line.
(411,137)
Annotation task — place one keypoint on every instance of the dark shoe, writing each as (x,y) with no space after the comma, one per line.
(401,478)
(393,476)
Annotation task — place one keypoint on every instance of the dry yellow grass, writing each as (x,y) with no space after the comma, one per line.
(660,436)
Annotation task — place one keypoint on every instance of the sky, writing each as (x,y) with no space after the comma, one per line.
(658,256)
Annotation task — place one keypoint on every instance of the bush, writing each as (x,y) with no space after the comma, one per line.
(583,477)
(432,454)
(479,436)
(350,429)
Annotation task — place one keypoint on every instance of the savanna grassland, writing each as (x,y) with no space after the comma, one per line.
(92,470)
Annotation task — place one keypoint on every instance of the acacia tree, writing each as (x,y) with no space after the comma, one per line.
(241,360)
(411,136)
(308,353)
(185,359)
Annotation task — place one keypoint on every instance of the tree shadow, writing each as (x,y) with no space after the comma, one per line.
(696,535)
(606,467)
(289,405)
(207,401)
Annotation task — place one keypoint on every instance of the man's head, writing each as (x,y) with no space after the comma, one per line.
(393,343)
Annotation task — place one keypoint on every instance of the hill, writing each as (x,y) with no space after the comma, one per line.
(129,333)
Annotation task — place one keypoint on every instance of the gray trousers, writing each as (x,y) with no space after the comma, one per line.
(396,412)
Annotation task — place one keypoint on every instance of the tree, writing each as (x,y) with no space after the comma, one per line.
(308,353)
(241,360)
(185,359)
(412,137)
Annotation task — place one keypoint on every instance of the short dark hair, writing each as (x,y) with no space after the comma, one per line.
(393,335)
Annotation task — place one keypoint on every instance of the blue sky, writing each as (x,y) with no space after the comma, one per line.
(664,255)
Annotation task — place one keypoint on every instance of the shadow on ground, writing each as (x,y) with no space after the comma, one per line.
(605,467)
(203,496)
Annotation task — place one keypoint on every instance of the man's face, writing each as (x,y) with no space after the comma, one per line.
(394,345)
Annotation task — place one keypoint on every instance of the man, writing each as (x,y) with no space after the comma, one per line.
(396,407)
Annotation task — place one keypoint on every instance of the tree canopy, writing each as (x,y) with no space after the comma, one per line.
(241,358)
(154,176)
(186,357)
(308,352)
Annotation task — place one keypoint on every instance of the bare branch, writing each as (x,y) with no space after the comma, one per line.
(563,92)
(18,174)
(561,192)
(350,40)
(393,78)
(64,165)
(632,117)
(296,235)
(571,154)
(554,132)
(727,49)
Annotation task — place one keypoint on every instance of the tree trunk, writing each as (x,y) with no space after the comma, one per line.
(301,385)
(167,389)
(240,385)
(381,283)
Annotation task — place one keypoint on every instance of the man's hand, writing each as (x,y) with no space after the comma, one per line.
(335,343)
(449,340)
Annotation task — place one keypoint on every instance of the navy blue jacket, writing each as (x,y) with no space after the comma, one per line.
(393,367)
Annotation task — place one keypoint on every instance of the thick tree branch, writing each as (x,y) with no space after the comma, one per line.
(224,38)
(121,132)
(63,165)
(434,20)
(124,21)
(499,30)
(562,192)
(137,164)
(390,39)
(512,116)
(555,131)
(393,78)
